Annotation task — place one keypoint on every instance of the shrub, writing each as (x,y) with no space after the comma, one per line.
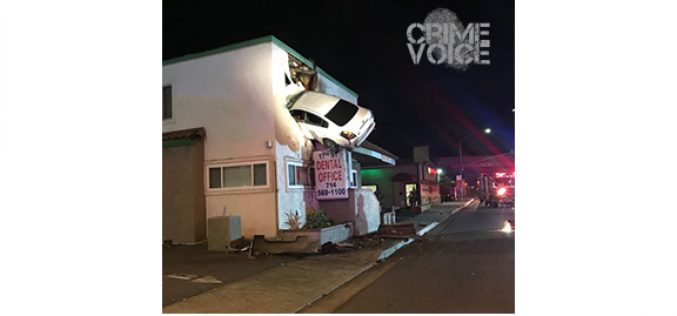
(294,220)
(317,219)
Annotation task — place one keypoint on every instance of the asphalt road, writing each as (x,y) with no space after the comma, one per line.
(465,265)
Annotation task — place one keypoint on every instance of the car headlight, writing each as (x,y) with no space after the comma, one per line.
(348,135)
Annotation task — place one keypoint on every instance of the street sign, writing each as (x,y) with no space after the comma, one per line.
(331,175)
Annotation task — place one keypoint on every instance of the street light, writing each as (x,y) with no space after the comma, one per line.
(460,152)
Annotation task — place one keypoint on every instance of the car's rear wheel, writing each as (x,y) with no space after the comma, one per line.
(330,145)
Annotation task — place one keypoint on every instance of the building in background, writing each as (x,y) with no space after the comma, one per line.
(473,167)
(412,183)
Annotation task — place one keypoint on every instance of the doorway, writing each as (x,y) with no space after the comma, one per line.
(411,194)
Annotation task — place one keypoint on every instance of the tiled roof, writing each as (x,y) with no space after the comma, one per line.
(191,133)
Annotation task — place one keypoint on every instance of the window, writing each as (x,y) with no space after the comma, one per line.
(316,120)
(305,117)
(298,115)
(292,176)
(299,175)
(342,112)
(167,102)
(214,178)
(238,176)
(260,174)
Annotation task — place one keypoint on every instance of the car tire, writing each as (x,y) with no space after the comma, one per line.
(330,145)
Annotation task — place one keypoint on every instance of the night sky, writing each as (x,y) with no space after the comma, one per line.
(363,45)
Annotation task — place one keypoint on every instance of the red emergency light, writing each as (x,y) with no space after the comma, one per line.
(500,174)
(501,191)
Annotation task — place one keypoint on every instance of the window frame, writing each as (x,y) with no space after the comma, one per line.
(298,164)
(237,164)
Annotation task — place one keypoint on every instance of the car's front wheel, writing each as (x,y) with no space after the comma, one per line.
(330,145)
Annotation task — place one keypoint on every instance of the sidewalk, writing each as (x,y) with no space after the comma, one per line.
(285,284)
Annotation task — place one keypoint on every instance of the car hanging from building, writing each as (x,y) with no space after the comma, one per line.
(332,121)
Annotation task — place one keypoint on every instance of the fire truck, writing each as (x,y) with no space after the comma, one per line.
(497,190)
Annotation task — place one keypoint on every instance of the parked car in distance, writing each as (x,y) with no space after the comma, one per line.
(331,120)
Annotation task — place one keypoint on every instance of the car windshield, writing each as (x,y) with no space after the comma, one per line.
(342,112)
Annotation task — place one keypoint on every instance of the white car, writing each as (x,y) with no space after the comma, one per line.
(331,120)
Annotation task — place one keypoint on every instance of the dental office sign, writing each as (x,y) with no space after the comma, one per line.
(444,40)
(331,181)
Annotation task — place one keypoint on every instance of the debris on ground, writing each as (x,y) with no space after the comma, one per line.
(329,248)
(184,277)
(366,241)
(403,230)
(345,245)
(207,279)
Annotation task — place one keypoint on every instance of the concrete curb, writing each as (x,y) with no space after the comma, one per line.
(462,207)
(385,253)
(426,229)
